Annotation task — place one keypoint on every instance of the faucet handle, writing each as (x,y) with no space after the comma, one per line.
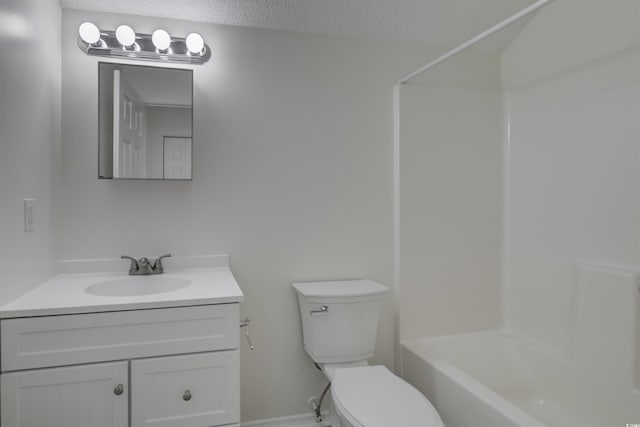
(157,265)
(134,263)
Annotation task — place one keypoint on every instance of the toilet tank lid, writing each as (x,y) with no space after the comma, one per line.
(341,289)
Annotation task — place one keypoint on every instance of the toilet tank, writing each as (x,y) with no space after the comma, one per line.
(340,319)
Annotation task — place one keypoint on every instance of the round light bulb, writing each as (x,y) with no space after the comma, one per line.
(89,32)
(125,35)
(195,43)
(161,39)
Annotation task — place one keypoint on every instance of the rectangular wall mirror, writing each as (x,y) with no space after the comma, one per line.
(145,122)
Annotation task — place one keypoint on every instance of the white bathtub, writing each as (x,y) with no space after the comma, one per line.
(492,379)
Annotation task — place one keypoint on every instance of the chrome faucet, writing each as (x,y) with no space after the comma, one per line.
(144,267)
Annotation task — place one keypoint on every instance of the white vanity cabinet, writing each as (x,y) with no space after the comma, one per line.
(186,391)
(78,396)
(165,367)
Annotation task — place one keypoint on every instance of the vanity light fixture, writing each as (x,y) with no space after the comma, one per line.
(124,42)
(89,33)
(161,40)
(126,36)
(195,43)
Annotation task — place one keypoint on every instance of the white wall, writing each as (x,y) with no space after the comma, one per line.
(29,139)
(574,155)
(472,69)
(293,177)
(450,207)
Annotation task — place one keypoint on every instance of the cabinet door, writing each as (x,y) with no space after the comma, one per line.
(197,390)
(81,396)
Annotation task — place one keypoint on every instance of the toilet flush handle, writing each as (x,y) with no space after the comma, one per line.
(323,310)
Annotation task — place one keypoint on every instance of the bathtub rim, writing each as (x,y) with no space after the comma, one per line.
(483,393)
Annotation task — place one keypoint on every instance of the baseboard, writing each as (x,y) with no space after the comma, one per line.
(302,420)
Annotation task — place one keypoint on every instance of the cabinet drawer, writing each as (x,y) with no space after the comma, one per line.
(37,342)
(196,390)
(80,396)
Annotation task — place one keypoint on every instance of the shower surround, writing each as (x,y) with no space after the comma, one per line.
(555,105)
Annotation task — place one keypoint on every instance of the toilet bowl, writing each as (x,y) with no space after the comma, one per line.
(374,397)
(339,327)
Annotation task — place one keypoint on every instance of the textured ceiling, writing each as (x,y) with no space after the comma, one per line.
(434,22)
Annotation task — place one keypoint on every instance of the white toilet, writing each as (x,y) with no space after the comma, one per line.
(339,325)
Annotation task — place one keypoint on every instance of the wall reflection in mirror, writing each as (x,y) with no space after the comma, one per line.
(145,122)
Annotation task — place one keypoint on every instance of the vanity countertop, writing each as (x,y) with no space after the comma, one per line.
(212,282)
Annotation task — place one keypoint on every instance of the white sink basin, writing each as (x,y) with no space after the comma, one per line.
(137,286)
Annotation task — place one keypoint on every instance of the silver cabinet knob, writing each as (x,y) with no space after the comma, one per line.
(118,390)
(186,396)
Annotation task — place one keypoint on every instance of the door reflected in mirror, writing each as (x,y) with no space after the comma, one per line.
(145,122)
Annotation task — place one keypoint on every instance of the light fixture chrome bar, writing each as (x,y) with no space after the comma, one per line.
(144,49)
(477,39)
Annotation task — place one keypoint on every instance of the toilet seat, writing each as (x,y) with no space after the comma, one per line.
(372,396)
